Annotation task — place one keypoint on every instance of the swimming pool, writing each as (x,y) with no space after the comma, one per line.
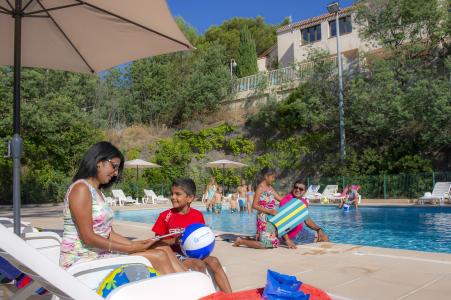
(414,228)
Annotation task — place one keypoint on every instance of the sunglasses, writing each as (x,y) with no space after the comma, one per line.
(298,188)
(114,165)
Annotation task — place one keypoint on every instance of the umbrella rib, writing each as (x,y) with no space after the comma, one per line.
(51,9)
(5,11)
(134,23)
(10,5)
(26,5)
(67,38)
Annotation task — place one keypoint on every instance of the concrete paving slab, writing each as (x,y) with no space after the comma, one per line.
(346,271)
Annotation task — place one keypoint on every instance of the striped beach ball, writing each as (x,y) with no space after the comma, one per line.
(198,241)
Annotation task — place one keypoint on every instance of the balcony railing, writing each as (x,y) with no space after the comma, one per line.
(277,77)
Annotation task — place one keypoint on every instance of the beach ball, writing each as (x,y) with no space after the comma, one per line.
(346,207)
(197,241)
(123,275)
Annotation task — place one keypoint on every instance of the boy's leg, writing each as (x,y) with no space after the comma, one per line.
(218,272)
(195,265)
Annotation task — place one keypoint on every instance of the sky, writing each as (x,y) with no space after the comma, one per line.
(201,14)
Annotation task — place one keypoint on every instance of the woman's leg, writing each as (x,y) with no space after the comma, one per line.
(218,272)
(159,260)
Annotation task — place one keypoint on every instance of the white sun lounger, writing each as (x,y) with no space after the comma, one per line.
(66,286)
(440,192)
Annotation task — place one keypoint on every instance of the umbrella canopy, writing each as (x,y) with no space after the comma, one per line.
(88,36)
(140,164)
(82,36)
(225,164)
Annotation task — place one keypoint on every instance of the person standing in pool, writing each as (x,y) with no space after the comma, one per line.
(210,191)
(249,198)
(241,191)
(264,202)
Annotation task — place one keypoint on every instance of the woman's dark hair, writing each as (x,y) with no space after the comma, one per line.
(266,171)
(187,185)
(102,151)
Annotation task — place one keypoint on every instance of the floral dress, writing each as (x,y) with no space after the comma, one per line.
(72,247)
(266,232)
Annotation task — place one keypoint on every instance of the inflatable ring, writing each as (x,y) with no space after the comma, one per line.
(123,275)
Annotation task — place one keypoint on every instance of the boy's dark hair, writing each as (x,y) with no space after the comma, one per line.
(102,151)
(298,181)
(187,184)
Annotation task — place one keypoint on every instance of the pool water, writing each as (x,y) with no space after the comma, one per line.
(414,228)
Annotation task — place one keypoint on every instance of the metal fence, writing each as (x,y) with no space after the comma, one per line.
(276,77)
(400,186)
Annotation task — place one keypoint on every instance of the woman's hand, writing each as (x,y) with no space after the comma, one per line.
(141,246)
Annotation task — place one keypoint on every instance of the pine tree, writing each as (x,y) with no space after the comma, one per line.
(247,62)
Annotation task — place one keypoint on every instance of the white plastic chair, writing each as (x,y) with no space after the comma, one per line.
(24,226)
(63,284)
(150,195)
(312,192)
(122,199)
(440,192)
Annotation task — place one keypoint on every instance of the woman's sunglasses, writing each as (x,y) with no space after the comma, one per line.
(298,188)
(114,165)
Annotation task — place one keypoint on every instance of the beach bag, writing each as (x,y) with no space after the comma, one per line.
(283,287)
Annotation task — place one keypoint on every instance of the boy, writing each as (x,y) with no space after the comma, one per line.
(179,217)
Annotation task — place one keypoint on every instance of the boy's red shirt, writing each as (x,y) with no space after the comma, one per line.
(170,221)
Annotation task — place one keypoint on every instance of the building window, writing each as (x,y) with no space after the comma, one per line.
(311,34)
(345,26)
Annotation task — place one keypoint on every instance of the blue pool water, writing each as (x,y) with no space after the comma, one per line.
(414,228)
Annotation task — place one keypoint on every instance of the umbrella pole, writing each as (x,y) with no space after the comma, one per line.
(16,143)
(136,183)
(223,179)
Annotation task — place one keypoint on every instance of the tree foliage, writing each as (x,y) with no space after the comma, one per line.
(247,61)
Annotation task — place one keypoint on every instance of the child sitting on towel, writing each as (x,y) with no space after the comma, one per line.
(179,217)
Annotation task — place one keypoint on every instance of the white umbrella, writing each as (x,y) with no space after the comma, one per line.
(225,164)
(82,36)
(140,164)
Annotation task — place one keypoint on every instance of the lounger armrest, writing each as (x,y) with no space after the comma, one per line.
(107,262)
(92,273)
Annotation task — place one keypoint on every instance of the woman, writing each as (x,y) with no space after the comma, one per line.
(88,232)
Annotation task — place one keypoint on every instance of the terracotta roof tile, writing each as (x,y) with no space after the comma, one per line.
(315,20)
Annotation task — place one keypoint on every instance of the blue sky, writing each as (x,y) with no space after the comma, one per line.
(202,14)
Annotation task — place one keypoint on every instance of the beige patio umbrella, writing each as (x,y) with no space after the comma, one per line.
(81,36)
(225,164)
(139,164)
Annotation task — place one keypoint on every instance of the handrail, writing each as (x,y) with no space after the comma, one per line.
(277,77)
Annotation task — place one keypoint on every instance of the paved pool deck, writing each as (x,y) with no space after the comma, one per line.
(344,271)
